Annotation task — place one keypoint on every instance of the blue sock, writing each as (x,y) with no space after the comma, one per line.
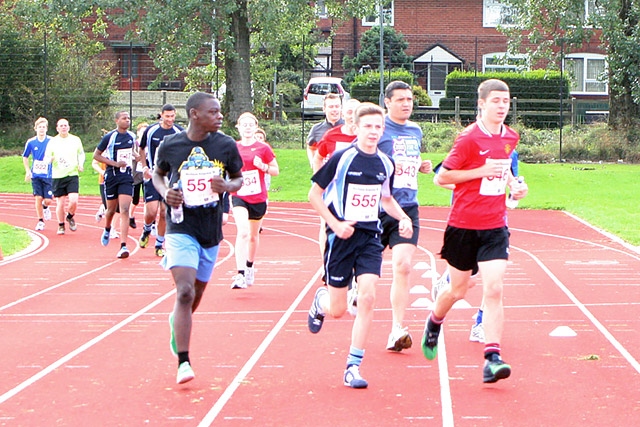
(355,356)
(479,317)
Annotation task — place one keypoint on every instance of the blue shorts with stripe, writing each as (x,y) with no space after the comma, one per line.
(359,254)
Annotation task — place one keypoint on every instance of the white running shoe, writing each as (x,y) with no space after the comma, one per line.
(238,282)
(46,213)
(353,379)
(40,226)
(249,275)
(185,373)
(113,234)
(352,300)
(443,283)
(477,333)
(399,339)
(100,213)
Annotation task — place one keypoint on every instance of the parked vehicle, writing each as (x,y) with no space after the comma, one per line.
(317,89)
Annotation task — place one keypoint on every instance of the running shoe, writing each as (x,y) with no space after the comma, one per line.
(114,234)
(443,283)
(352,299)
(238,282)
(61,229)
(172,342)
(249,275)
(495,369)
(132,223)
(430,342)
(40,226)
(104,239)
(399,339)
(100,213)
(46,213)
(72,224)
(159,251)
(144,238)
(123,253)
(477,333)
(185,373)
(353,379)
(316,316)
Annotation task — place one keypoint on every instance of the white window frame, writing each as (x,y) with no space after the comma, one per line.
(495,13)
(388,12)
(321,9)
(582,86)
(514,67)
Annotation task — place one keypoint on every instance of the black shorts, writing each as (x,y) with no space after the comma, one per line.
(464,248)
(391,235)
(64,186)
(137,188)
(257,211)
(150,192)
(359,254)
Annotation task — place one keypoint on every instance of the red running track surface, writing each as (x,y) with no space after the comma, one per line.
(85,335)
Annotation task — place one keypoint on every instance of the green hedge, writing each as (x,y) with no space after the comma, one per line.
(536,92)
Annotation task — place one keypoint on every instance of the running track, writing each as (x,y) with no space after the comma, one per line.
(85,336)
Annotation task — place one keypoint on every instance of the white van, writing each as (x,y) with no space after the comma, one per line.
(316,90)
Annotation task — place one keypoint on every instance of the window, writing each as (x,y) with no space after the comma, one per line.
(387,15)
(501,61)
(321,9)
(495,12)
(587,72)
(129,64)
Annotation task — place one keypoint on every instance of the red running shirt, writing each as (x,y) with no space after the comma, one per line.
(254,189)
(479,204)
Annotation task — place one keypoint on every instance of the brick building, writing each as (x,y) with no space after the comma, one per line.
(446,35)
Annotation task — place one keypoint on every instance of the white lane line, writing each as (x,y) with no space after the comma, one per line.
(55,365)
(253,360)
(582,307)
(50,288)
(39,242)
(30,381)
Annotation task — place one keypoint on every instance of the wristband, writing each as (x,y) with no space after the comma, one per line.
(266,168)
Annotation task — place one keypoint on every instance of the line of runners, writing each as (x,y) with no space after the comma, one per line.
(365,193)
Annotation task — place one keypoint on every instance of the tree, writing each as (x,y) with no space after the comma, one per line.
(547,28)
(394,46)
(246,37)
(60,79)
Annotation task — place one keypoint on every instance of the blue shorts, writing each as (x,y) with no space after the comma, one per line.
(360,254)
(42,187)
(464,248)
(150,192)
(116,186)
(183,250)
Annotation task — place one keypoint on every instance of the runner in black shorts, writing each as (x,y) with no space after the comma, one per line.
(348,192)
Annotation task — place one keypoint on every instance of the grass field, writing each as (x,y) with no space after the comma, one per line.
(605,195)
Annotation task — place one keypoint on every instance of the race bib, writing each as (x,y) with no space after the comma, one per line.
(196,186)
(124,155)
(362,202)
(496,185)
(39,167)
(250,183)
(406,172)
